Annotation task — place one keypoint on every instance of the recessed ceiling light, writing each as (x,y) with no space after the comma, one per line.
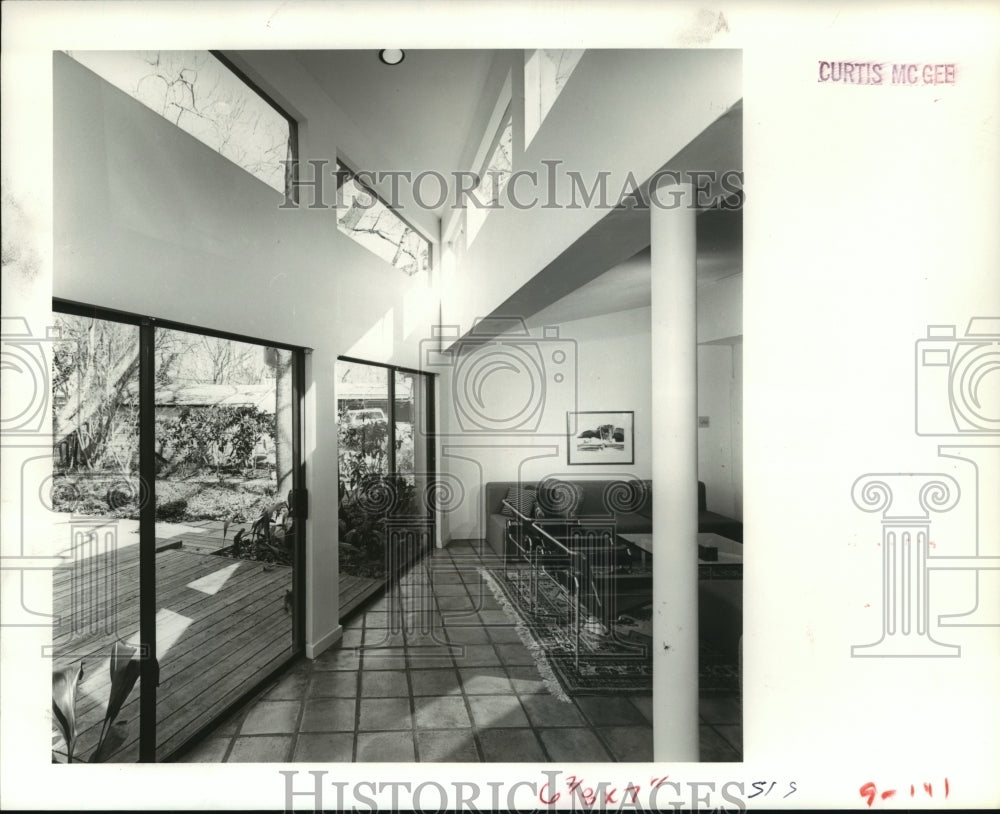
(391,56)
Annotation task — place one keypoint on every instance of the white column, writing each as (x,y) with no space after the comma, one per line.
(675,474)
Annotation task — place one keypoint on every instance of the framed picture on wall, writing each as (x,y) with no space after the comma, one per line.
(600,437)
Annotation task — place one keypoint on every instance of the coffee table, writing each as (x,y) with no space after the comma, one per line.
(729,564)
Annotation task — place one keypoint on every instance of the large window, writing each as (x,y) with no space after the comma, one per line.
(177,491)
(207,99)
(494,173)
(366,218)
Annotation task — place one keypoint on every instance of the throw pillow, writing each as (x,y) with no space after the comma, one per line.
(521,499)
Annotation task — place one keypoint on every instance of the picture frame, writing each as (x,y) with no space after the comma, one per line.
(603,437)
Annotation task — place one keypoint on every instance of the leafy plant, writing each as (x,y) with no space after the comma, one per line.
(271,538)
(124,669)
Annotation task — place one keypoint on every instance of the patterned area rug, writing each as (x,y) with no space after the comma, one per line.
(615,661)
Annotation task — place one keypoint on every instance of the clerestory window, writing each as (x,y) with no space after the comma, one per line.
(208,98)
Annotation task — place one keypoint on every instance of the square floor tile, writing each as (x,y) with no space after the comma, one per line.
(384,713)
(485,681)
(337,659)
(384,684)
(477,655)
(576,745)
(603,710)
(429,657)
(510,746)
(441,712)
(547,711)
(457,603)
(290,686)
(527,680)
(629,744)
(468,635)
(339,683)
(443,589)
(434,637)
(326,747)
(328,715)
(435,682)
(386,747)
(448,746)
(211,750)
(514,654)
(381,637)
(495,711)
(351,637)
(376,618)
(261,749)
(504,634)
(230,724)
(494,617)
(383,659)
(271,718)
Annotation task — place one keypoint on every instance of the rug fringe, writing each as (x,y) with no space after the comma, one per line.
(537,651)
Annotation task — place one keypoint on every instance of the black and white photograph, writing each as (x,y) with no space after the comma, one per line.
(600,437)
(564,407)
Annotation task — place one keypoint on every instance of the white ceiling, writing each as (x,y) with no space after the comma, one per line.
(627,285)
(419,113)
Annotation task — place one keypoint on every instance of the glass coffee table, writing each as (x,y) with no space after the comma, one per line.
(718,556)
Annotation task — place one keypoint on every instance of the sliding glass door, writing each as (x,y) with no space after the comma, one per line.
(177,483)
(225,542)
(385,463)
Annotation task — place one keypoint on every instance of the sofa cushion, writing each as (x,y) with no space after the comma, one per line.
(558,498)
(523,501)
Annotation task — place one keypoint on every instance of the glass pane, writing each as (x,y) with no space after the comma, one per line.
(94,495)
(367,220)
(224,530)
(199,94)
(363,458)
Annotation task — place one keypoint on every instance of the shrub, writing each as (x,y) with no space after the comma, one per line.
(172,511)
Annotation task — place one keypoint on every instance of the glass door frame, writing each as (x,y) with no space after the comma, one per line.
(430,381)
(149,667)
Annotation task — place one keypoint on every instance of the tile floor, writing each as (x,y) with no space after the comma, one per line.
(455,684)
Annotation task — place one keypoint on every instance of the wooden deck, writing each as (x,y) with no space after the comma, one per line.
(222,625)
(355,591)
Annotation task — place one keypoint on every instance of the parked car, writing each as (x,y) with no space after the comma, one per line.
(369,415)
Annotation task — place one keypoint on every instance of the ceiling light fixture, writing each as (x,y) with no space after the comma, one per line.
(391,56)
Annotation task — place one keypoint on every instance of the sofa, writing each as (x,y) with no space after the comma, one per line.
(628,499)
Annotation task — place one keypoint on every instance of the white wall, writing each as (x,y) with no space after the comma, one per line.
(149,220)
(613,369)
(720,394)
(620,112)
